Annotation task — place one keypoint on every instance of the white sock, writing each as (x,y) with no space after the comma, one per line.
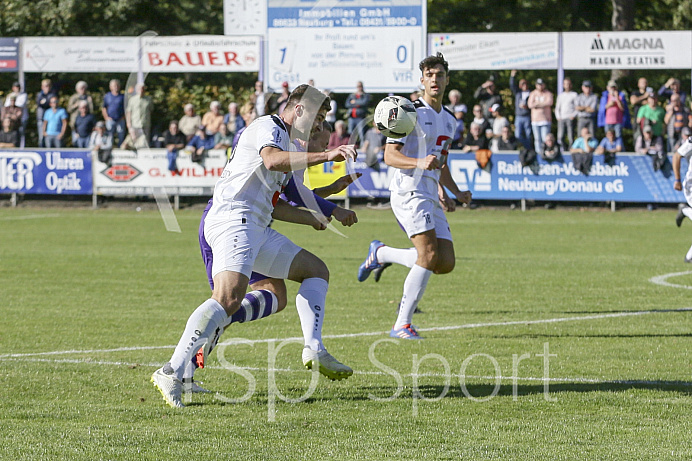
(310,305)
(687,211)
(689,254)
(414,287)
(404,256)
(205,322)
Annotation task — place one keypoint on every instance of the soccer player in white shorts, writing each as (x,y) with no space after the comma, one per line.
(238,233)
(420,159)
(685,150)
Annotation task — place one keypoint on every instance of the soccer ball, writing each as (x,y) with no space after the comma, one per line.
(395,116)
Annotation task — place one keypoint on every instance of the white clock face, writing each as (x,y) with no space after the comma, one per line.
(245,17)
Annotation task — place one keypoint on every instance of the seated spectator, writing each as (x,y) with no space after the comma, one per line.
(12,112)
(213,119)
(582,151)
(671,87)
(9,138)
(652,115)
(677,117)
(650,144)
(200,144)
(613,112)
(20,101)
(507,140)
(373,146)
(173,141)
(499,122)
(233,120)
(684,134)
(101,143)
(54,124)
(73,107)
(223,139)
(189,122)
(610,146)
(551,148)
(84,124)
(475,140)
(340,135)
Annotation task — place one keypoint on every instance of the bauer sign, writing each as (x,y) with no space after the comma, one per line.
(336,43)
(200,53)
(44,171)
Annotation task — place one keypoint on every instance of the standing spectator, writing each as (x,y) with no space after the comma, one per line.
(551,149)
(671,87)
(264,102)
(373,146)
(637,100)
(522,113)
(677,117)
(339,136)
(652,145)
(223,139)
(113,112)
(20,101)
(582,151)
(101,143)
(331,115)
(610,146)
(233,120)
(357,105)
(499,122)
(189,122)
(213,118)
(283,97)
(173,141)
(200,144)
(487,97)
(248,112)
(541,103)
(587,108)
(507,140)
(138,116)
(475,140)
(54,124)
(73,107)
(652,115)
(9,138)
(42,105)
(613,112)
(459,113)
(479,120)
(84,124)
(565,113)
(12,112)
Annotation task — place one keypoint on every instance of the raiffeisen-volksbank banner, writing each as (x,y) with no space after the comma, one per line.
(631,178)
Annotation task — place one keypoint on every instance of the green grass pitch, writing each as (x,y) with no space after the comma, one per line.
(91,303)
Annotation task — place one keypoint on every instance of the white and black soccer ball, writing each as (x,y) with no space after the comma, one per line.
(395,116)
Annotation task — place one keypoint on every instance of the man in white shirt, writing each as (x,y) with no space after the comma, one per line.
(245,199)
(565,113)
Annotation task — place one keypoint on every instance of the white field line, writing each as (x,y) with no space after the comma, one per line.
(371,333)
(662,280)
(30,216)
(374,373)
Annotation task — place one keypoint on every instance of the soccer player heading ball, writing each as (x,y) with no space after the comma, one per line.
(236,228)
(417,197)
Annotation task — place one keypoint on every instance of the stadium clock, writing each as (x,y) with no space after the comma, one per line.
(245,17)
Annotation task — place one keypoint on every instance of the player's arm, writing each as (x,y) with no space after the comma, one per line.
(285,212)
(676,171)
(276,159)
(447,181)
(395,158)
(337,186)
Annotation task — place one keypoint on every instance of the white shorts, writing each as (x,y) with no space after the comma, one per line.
(243,247)
(417,214)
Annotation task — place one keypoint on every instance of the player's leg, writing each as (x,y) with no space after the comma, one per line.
(313,276)
(686,211)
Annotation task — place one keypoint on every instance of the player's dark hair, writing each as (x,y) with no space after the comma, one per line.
(309,96)
(432,61)
(326,126)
